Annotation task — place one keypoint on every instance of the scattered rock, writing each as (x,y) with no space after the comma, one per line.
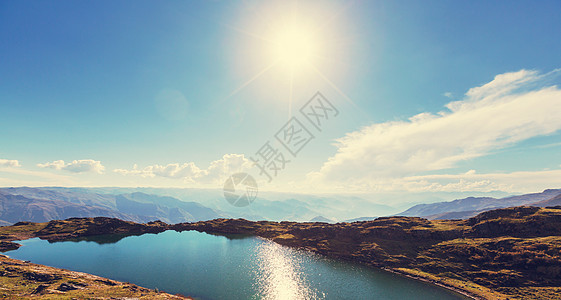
(106,282)
(40,289)
(63,287)
(41,277)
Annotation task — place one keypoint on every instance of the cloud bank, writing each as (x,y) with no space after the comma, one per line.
(76,166)
(217,171)
(511,108)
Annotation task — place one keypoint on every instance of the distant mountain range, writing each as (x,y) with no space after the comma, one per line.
(42,204)
(271,206)
(322,219)
(15,208)
(471,206)
(173,205)
(167,209)
(555,201)
(191,205)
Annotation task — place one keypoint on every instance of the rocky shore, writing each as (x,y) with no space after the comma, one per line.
(19,279)
(512,253)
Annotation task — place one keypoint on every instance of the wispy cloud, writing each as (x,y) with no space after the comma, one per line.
(9,163)
(548,145)
(21,176)
(217,171)
(471,181)
(520,181)
(511,108)
(76,166)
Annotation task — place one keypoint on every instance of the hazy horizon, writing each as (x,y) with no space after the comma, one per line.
(411,100)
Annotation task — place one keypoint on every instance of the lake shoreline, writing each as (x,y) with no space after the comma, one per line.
(433,282)
(390,270)
(25,279)
(56,270)
(475,257)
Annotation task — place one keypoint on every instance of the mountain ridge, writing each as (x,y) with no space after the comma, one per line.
(42,204)
(470,206)
(16,208)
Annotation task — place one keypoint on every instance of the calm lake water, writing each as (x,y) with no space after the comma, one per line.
(205,266)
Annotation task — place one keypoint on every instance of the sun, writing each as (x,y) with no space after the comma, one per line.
(294,46)
(284,47)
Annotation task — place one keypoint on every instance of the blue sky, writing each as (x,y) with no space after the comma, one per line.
(188,91)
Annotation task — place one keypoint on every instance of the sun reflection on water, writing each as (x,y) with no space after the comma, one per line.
(279,274)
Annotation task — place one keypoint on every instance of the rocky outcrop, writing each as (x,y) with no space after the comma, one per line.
(522,221)
(7,246)
(82,227)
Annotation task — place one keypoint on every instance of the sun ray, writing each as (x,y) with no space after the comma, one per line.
(290,95)
(249,33)
(334,16)
(237,90)
(258,14)
(296,43)
(334,86)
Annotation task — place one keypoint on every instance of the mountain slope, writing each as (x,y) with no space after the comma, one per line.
(470,206)
(455,215)
(82,196)
(322,219)
(555,201)
(15,208)
(273,206)
(167,209)
(45,204)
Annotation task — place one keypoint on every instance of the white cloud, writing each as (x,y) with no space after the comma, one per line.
(509,109)
(471,181)
(76,166)
(217,171)
(514,182)
(175,170)
(9,163)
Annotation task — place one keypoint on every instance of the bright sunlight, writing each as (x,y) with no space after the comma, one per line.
(290,46)
(294,46)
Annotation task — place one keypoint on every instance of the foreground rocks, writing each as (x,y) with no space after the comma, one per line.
(510,253)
